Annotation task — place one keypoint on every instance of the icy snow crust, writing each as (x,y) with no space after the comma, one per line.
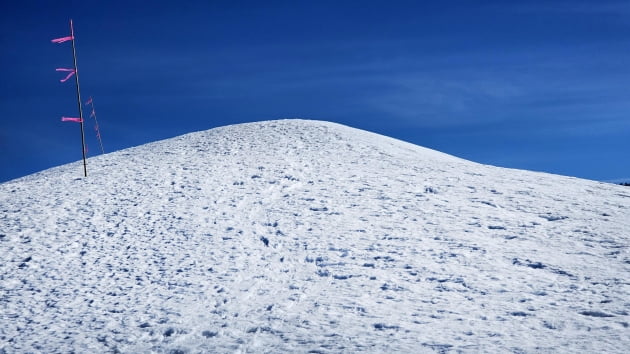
(306,236)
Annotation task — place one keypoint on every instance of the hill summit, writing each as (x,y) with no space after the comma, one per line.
(308,236)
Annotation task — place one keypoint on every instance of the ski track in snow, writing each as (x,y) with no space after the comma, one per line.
(304,236)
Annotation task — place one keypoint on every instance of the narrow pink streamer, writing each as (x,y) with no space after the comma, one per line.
(62,39)
(70,71)
(68,119)
(89,101)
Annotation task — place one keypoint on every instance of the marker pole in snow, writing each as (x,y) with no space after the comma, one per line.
(90,101)
(76,79)
(74,72)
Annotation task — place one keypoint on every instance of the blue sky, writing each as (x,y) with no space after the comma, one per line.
(539,85)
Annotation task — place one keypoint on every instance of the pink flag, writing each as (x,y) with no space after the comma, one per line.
(69,71)
(89,101)
(68,119)
(62,39)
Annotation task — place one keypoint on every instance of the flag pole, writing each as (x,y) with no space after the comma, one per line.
(76,78)
(98,131)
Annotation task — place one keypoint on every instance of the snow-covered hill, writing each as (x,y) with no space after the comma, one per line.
(306,236)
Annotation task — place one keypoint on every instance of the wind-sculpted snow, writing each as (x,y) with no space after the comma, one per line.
(302,236)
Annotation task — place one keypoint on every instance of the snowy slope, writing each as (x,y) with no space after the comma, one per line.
(306,236)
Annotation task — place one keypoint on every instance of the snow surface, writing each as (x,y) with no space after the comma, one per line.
(307,236)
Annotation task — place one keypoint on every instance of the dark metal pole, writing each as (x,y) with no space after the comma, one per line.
(76,78)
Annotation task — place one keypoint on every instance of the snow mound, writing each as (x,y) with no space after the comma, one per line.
(308,236)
